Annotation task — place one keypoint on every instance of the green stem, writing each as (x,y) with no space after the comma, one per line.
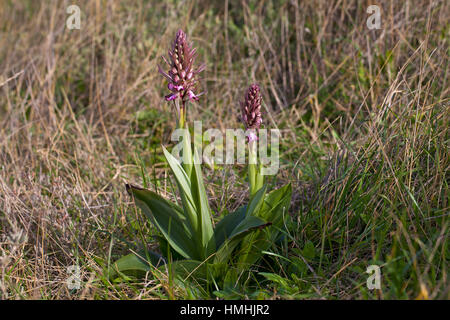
(255,178)
(182,120)
(187,149)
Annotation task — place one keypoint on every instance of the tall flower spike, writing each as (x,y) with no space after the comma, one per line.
(181,75)
(251,110)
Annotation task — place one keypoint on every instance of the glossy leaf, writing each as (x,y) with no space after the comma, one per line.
(248,225)
(135,264)
(276,204)
(202,206)
(184,185)
(225,227)
(190,269)
(169,220)
(256,202)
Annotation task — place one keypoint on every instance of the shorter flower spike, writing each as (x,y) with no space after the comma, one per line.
(251,108)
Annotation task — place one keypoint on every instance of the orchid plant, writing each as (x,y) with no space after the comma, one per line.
(191,244)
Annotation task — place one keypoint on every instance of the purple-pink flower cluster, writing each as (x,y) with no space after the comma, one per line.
(181,75)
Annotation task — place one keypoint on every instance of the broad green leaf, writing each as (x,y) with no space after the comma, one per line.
(167,250)
(273,202)
(225,227)
(256,202)
(190,269)
(276,278)
(203,210)
(259,182)
(135,264)
(184,185)
(195,204)
(169,220)
(187,156)
(249,224)
(230,281)
(276,204)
